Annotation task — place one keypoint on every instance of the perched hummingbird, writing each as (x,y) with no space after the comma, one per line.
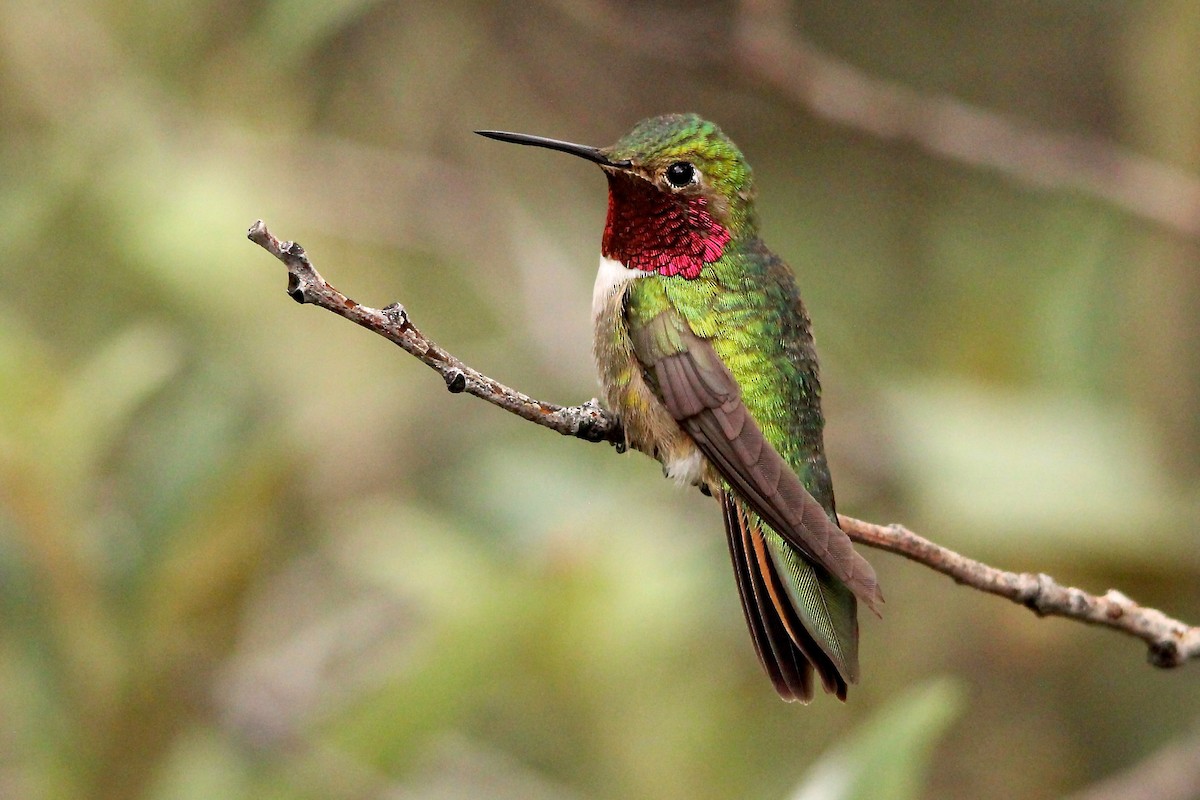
(705,354)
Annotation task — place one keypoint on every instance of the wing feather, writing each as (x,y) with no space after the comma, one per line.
(703,396)
(789,671)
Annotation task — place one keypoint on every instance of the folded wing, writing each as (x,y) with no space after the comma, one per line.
(701,394)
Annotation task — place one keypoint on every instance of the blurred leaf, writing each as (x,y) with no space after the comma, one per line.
(887,758)
(1035,474)
(97,406)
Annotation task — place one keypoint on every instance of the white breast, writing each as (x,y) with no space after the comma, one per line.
(611,277)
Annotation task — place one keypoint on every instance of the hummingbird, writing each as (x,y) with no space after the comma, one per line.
(705,354)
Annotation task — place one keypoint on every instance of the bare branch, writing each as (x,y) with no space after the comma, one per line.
(305,285)
(1171,642)
(769,48)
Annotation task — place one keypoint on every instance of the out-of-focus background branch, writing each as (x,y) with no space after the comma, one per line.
(199,600)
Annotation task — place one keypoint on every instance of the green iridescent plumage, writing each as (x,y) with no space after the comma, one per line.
(762,338)
(704,350)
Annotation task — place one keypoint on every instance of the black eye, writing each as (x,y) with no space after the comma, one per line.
(680,174)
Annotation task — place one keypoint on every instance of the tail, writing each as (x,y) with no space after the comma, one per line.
(801,618)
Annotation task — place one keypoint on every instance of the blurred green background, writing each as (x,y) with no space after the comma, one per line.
(248,550)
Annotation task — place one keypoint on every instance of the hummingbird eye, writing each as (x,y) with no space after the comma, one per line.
(680,174)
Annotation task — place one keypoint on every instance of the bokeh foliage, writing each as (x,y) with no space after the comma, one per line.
(247,550)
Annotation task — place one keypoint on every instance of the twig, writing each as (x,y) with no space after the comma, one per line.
(1171,642)
(305,285)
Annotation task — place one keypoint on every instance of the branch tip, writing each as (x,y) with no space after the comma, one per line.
(1164,655)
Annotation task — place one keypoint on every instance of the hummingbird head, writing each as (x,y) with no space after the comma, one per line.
(678,192)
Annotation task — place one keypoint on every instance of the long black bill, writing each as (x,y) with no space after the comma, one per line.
(583,151)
